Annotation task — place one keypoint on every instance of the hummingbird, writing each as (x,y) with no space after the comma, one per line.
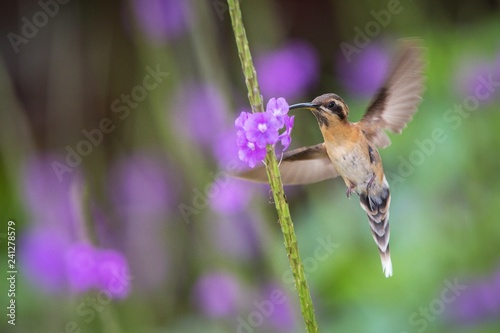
(350,150)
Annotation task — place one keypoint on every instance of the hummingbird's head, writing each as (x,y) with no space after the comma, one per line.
(327,108)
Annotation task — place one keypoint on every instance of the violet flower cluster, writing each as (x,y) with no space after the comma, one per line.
(365,72)
(89,268)
(257,130)
(56,254)
(290,70)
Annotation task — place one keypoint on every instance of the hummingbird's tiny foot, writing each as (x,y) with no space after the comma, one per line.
(349,191)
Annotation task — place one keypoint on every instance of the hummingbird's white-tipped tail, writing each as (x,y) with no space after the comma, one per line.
(386,264)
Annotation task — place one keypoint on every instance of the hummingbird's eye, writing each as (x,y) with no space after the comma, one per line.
(331,105)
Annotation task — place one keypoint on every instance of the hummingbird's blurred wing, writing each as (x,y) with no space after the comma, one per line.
(396,101)
(300,166)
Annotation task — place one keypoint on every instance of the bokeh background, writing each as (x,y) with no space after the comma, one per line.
(117,138)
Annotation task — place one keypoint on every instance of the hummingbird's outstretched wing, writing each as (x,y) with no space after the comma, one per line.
(300,166)
(396,101)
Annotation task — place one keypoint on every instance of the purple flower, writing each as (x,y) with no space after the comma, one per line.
(92,268)
(242,118)
(288,71)
(472,75)
(57,207)
(262,128)
(282,316)
(286,137)
(55,254)
(278,108)
(478,302)
(81,267)
(55,210)
(113,273)
(217,294)
(42,257)
(232,195)
(200,111)
(248,151)
(365,73)
(257,130)
(226,152)
(161,20)
(139,186)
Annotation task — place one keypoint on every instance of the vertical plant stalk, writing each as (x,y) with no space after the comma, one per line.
(273,172)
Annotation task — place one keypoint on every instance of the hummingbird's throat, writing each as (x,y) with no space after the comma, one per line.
(321,118)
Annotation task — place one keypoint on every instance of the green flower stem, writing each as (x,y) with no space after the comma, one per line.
(273,172)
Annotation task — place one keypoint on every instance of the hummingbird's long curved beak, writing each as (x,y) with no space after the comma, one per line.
(304,106)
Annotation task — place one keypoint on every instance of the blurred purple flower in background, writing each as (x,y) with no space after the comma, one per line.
(92,268)
(49,200)
(113,273)
(472,77)
(479,302)
(288,71)
(53,215)
(237,236)
(42,258)
(52,263)
(81,267)
(366,72)
(282,315)
(142,197)
(217,294)
(200,112)
(53,251)
(233,197)
(226,152)
(161,20)
(139,186)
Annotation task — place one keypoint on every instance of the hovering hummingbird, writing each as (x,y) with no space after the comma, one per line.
(350,150)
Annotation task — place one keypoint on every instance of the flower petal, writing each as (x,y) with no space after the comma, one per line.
(240,121)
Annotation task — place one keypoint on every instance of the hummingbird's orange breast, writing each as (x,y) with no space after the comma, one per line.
(351,154)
